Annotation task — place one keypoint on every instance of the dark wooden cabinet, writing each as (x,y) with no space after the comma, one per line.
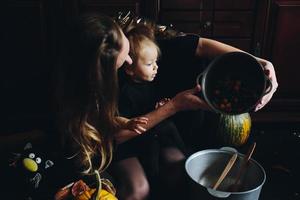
(31,29)
(281,45)
(229,21)
(266,28)
(108,7)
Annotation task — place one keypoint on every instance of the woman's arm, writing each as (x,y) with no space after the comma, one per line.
(186,100)
(212,48)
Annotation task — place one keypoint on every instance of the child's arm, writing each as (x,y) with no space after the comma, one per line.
(133,124)
(129,128)
(122,121)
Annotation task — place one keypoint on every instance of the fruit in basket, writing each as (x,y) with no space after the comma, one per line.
(234,130)
(79,190)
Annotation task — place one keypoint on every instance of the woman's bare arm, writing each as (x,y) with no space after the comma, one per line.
(186,100)
(212,48)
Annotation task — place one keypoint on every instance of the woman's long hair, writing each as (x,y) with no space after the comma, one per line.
(88,90)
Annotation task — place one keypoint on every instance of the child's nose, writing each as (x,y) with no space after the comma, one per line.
(155,67)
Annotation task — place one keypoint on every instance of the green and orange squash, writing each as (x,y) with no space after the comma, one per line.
(234,130)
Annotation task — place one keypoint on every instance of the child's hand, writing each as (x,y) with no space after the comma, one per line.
(134,124)
(161,102)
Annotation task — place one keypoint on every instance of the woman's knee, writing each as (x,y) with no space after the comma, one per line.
(140,190)
(172,156)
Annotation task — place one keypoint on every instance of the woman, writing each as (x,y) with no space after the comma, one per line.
(96,48)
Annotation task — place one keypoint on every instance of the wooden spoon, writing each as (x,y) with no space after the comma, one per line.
(225,171)
(235,186)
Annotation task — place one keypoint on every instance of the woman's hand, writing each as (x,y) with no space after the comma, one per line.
(188,100)
(270,72)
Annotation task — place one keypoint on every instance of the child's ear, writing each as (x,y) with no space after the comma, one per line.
(129,70)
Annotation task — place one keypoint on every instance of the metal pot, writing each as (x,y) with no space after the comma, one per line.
(205,167)
(224,72)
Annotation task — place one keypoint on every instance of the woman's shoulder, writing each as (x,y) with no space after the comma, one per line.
(181,39)
(185,44)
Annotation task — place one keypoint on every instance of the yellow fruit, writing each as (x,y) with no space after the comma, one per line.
(234,130)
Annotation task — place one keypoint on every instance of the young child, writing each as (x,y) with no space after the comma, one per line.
(139,160)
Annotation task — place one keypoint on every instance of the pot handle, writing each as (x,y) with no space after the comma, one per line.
(198,82)
(231,149)
(199,77)
(269,86)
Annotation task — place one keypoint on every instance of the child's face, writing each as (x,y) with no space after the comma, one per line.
(146,66)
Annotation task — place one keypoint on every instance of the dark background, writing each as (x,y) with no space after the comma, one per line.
(31,36)
(30,45)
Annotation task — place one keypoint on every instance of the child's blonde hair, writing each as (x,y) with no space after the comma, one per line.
(139,36)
